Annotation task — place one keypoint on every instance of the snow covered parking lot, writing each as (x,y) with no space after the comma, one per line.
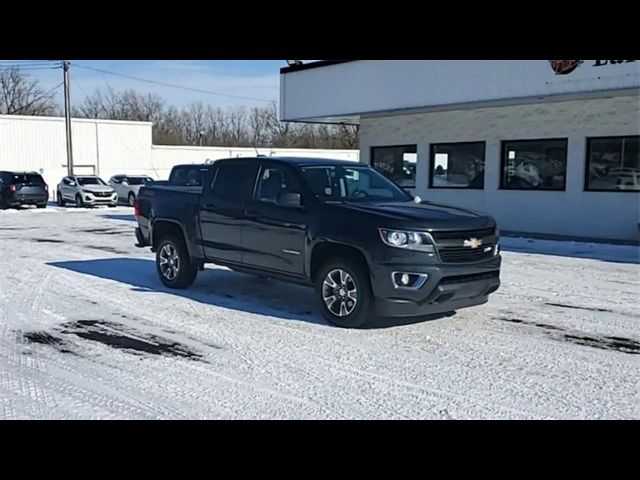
(88,331)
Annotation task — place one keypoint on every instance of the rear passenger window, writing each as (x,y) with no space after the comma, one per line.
(235,181)
(274,182)
(187,176)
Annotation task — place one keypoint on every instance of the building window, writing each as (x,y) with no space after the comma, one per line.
(613,164)
(457,165)
(534,165)
(397,163)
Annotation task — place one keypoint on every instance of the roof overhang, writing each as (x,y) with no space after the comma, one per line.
(344,92)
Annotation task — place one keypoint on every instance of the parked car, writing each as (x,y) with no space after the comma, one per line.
(85,191)
(366,245)
(22,188)
(128,186)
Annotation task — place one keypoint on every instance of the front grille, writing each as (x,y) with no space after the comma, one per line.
(101,194)
(463,235)
(454,247)
(465,254)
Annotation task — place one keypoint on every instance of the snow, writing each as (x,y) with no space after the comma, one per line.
(87,331)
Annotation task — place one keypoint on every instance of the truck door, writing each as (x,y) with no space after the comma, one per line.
(274,236)
(222,209)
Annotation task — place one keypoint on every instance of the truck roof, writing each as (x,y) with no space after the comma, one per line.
(297,161)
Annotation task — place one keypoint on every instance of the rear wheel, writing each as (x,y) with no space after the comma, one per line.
(42,205)
(343,292)
(3,205)
(61,202)
(132,199)
(175,267)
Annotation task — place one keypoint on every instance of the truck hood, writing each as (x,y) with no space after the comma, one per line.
(424,215)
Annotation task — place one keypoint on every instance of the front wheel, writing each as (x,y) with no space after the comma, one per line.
(343,292)
(3,205)
(61,202)
(174,265)
(132,199)
(79,202)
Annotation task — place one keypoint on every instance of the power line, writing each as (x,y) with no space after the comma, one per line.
(181,87)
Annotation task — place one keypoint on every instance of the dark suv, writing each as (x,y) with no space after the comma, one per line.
(365,244)
(22,188)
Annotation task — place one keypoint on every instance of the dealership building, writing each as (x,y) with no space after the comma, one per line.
(548,147)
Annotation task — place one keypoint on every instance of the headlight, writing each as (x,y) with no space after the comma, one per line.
(419,241)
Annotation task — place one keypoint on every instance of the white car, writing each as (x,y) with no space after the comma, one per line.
(128,186)
(85,191)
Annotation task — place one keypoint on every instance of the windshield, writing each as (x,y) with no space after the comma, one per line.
(139,180)
(90,181)
(352,184)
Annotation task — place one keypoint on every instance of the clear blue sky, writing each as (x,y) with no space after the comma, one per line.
(257,79)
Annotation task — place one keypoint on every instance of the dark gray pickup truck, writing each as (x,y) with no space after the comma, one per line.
(366,245)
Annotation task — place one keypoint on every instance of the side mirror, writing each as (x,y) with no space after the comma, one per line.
(72,184)
(290,200)
(125,182)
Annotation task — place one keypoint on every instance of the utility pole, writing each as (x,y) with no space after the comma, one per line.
(67,116)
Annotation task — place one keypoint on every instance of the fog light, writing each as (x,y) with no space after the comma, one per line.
(412,281)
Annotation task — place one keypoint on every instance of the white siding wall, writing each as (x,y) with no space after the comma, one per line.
(100,146)
(574,212)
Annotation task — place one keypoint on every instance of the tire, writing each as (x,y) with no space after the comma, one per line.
(3,205)
(175,267)
(79,202)
(132,199)
(352,284)
(44,205)
(61,202)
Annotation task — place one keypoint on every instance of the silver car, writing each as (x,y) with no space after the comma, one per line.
(85,191)
(128,186)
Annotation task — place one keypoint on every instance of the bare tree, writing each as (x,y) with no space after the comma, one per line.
(22,95)
(258,127)
(235,127)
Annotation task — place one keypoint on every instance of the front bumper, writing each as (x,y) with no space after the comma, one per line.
(448,287)
(93,200)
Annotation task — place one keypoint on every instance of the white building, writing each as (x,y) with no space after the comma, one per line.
(547,147)
(107,148)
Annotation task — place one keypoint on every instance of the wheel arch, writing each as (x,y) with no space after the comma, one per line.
(162,227)
(326,250)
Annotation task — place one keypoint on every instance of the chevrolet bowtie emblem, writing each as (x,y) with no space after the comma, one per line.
(473,243)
